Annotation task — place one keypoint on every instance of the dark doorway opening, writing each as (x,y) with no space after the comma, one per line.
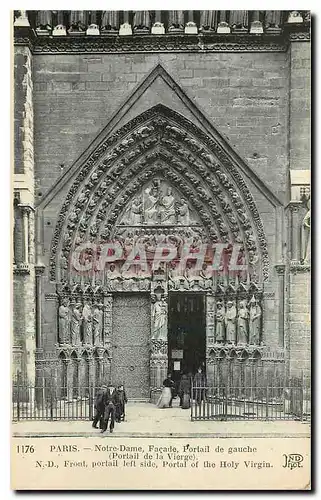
(186,334)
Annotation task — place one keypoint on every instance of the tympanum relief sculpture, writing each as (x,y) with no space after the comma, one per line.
(159,204)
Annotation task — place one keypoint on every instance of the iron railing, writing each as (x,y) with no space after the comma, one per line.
(52,403)
(251,403)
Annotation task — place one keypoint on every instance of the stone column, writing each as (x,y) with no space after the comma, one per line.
(210,332)
(107,329)
(158,367)
(100,358)
(108,319)
(280,269)
(39,271)
(24,325)
(69,381)
(294,223)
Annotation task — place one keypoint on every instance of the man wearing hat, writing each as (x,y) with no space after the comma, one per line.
(99,407)
(110,401)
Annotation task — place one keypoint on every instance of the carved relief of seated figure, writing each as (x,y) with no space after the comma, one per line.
(167,213)
(151,202)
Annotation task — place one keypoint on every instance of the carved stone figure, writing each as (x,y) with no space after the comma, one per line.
(306,236)
(110,20)
(167,212)
(230,322)
(206,273)
(242,323)
(220,322)
(151,202)
(141,20)
(87,323)
(159,308)
(44,20)
(255,322)
(64,322)
(78,21)
(183,216)
(136,212)
(239,19)
(208,19)
(175,20)
(273,18)
(76,319)
(98,324)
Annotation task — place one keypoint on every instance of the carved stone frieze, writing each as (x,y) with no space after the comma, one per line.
(216,353)
(77,352)
(108,43)
(158,349)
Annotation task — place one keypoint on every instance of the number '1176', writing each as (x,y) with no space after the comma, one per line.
(25,448)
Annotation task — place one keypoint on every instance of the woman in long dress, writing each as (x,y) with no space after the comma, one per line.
(184,392)
(166,396)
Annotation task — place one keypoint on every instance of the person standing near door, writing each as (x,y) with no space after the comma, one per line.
(99,407)
(184,392)
(199,385)
(110,401)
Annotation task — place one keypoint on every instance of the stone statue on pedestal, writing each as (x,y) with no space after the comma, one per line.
(230,322)
(98,324)
(306,237)
(255,322)
(220,322)
(87,323)
(159,331)
(242,323)
(64,322)
(76,319)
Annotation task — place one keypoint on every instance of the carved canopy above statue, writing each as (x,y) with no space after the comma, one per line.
(157,176)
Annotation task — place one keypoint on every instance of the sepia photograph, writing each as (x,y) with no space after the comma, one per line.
(161,249)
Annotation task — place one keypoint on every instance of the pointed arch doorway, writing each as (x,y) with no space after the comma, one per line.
(186,333)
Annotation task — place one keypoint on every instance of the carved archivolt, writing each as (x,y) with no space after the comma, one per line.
(159,146)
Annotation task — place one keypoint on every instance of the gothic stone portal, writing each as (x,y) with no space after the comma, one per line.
(158,180)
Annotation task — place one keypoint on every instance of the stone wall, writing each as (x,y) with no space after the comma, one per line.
(244,95)
(300,323)
(300,106)
(24,331)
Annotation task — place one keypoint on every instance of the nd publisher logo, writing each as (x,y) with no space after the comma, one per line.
(293,461)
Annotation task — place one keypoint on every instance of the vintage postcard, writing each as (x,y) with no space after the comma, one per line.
(161,250)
